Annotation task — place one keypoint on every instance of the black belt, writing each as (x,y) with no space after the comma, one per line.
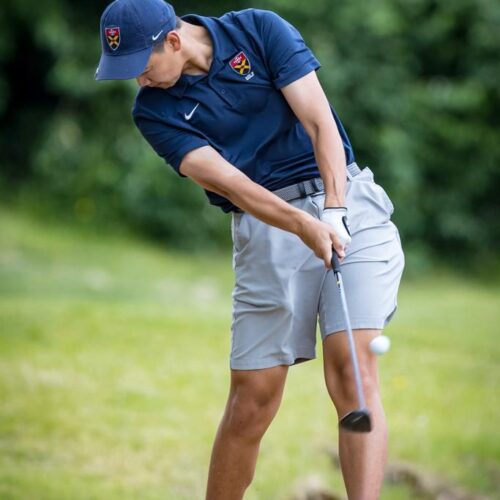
(311,186)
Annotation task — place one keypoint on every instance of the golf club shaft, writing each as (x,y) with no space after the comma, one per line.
(350,338)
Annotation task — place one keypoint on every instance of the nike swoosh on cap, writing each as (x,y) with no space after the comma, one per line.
(155,37)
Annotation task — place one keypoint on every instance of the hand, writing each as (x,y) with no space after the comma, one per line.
(321,238)
(336,217)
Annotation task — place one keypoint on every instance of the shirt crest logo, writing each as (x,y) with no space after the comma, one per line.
(241,64)
(112,37)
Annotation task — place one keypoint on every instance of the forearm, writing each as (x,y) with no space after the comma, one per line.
(266,206)
(309,103)
(330,157)
(211,171)
(214,173)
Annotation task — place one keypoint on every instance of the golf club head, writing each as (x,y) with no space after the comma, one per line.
(357,421)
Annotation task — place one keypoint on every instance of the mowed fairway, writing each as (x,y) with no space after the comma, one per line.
(114,374)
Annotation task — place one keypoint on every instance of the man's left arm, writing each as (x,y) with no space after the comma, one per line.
(309,103)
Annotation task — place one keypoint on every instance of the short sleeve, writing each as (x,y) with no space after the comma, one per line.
(286,53)
(169,142)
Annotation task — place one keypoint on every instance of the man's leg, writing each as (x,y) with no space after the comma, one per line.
(362,456)
(253,401)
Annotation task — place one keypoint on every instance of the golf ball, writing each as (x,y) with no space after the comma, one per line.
(380,344)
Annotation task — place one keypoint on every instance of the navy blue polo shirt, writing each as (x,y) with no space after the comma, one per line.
(238,108)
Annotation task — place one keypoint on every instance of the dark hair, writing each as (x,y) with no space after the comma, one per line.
(159,47)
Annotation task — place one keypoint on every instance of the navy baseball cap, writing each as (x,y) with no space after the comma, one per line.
(129,29)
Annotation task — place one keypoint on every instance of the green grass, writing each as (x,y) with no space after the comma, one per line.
(114,374)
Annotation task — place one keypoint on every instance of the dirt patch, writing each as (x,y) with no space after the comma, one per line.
(423,485)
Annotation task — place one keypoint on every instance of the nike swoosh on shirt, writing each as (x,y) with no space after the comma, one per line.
(190,115)
(155,37)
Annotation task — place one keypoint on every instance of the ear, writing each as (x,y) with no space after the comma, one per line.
(174,40)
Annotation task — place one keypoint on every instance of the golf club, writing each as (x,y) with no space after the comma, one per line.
(357,420)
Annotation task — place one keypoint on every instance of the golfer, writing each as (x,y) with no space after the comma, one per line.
(234,104)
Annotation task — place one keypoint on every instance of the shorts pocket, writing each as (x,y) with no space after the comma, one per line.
(368,204)
(375,252)
(240,230)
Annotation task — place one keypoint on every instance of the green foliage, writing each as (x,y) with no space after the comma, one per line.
(415,82)
(417,86)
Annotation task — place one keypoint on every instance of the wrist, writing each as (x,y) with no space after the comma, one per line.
(301,221)
(334,201)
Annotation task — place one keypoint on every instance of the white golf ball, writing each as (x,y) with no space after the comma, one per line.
(380,344)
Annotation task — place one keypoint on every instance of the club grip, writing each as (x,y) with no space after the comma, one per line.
(335,262)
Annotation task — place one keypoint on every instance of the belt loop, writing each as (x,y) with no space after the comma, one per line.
(316,185)
(353,170)
(349,175)
(302,189)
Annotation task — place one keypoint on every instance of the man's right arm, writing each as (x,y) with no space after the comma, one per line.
(210,170)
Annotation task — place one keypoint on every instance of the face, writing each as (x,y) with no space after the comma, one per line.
(164,68)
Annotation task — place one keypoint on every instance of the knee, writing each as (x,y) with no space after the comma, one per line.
(368,378)
(341,384)
(249,413)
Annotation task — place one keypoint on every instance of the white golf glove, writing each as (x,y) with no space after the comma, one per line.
(337,218)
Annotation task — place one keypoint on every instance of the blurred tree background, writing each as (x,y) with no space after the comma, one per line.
(414,81)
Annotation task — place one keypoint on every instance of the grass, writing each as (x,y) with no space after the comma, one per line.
(114,374)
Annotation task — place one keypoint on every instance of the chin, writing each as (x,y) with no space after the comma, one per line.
(172,82)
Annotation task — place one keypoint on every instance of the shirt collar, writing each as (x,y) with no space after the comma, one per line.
(223,49)
(223,46)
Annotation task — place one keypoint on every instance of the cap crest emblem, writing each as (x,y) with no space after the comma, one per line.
(112,37)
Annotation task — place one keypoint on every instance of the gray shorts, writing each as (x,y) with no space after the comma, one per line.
(282,289)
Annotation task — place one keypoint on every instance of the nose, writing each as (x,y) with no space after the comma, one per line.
(143,81)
